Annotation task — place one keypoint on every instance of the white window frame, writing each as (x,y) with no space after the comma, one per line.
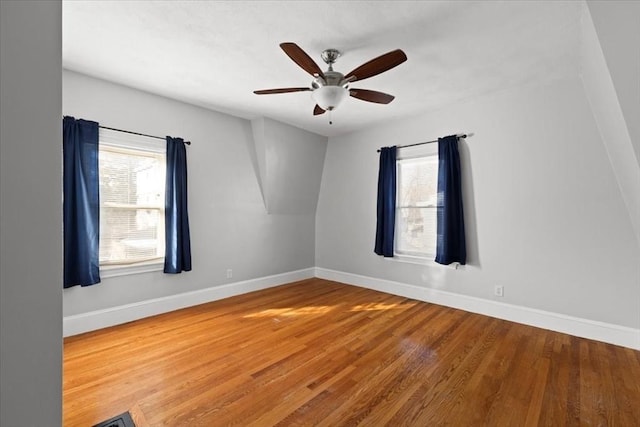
(420,151)
(130,142)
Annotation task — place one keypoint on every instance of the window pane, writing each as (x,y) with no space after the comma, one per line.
(416,206)
(418,181)
(416,231)
(129,234)
(132,205)
(131,178)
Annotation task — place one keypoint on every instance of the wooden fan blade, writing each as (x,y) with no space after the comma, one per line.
(371,96)
(281,90)
(301,58)
(378,65)
(317,110)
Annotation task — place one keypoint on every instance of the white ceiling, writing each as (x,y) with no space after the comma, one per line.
(214,54)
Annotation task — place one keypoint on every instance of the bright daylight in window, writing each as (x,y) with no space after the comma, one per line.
(132,187)
(417,186)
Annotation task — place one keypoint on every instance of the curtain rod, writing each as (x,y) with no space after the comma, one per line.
(464,135)
(138,133)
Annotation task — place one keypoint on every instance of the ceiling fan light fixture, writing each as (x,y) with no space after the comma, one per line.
(329,97)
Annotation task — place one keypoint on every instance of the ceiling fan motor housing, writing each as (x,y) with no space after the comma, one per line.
(330,78)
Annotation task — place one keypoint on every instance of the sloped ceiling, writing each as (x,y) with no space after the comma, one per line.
(214,54)
(609,74)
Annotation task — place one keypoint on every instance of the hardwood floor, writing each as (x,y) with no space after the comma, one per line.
(322,353)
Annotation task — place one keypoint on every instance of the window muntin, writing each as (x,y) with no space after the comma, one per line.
(132,187)
(416,206)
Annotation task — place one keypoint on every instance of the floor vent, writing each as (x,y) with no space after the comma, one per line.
(122,420)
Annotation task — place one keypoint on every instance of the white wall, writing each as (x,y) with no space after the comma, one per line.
(544,215)
(30,214)
(230,228)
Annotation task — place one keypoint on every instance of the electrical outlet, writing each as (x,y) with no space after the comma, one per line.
(229,273)
(498,291)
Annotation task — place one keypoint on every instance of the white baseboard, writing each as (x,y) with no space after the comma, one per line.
(585,328)
(85,322)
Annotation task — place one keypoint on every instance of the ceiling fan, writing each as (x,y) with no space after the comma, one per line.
(330,87)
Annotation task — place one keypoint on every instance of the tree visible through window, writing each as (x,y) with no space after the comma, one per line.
(417,186)
(132,188)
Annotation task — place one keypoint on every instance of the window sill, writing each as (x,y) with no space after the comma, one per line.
(429,262)
(115,271)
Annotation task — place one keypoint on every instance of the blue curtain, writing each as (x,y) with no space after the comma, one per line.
(385,226)
(177,239)
(451,245)
(81,202)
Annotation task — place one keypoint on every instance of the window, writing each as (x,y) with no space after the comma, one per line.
(132,188)
(417,186)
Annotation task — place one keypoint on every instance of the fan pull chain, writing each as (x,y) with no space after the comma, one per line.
(330,121)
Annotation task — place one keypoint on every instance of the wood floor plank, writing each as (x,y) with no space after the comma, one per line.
(318,352)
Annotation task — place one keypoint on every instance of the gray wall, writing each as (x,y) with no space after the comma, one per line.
(618,26)
(230,227)
(610,93)
(544,215)
(30,214)
(290,162)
